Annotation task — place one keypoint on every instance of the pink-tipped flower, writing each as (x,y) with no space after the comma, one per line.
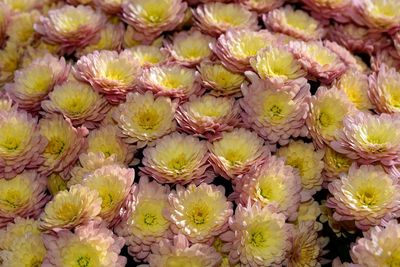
(171,80)
(367,195)
(378,247)
(148,55)
(380,15)
(276,114)
(236,47)
(110,73)
(88,163)
(64,144)
(220,80)
(111,7)
(78,102)
(89,245)
(295,23)
(114,184)
(356,87)
(237,152)
(32,84)
(21,144)
(339,10)
(70,27)
(144,118)
(199,212)
(216,18)
(278,65)
(177,158)
(327,111)
(261,6)
(357,38)
(307,247)
(334,165)
(109,38)
(190,48)
(10,56)
(179,252)
(145,223)
(258,237)
(22,196)
(387,56)
(69,209)
(273,183)
(150,18)
(369,138)
(308,161)
(384,91)
(106,140)
(207,116)
(320,61)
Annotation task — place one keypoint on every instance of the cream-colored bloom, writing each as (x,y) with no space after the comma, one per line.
(9,59)
(20,28)
(144,118)
(199,212)
(220,80)
(177,158)
(112,7)
(236,152)
(216,18)
(69,209)
(338,10)
(262,6)
(23,5)
(335,164)
(148,55)
(381,15)
(307,160)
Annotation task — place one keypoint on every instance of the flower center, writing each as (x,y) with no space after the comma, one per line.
(12,200)
(199,215)
(55,147)
(178,163)
(147,119)
(324,119)
(149,219)
(83,261)
(367,198)
(10,143)
(257,239)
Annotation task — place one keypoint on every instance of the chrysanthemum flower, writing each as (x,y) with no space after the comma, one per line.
(112,7)
(145,223)
(276,114)
(56,183)
(387,56)
(261,6)
(236,152)
(150,18)
(90,245)
(307,247)
(88,163)
(381,15)
(20,28)
(274,183)
(148,55)
(71,208)
(113,183)
(64,144)
(21,144)
(327,110)
(40,50)
(109,38)
(220,80)
(106,140)
(109,72)
(378,247)
(335,164)
(259,237)
(208,116)
(367,195)
(357,38)
(144,118)
(318,60)
(296,23)
(78,102)
(216,18)
(236,47)
(23,5)
(9,59)
(32,84)
(131,37)
(309,211)
(16,231)
(384,92)
(199,212)
(307,160)
(369,138)
(70,27)
(179,252)
(356,87)
(189,48)
(171,80)
(339,10)
(277,64)
(23,196)
(177,158)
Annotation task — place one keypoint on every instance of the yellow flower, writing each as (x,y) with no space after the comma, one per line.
(20,29)
(9,58)
(148,55)
(23,5)
(56,183)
